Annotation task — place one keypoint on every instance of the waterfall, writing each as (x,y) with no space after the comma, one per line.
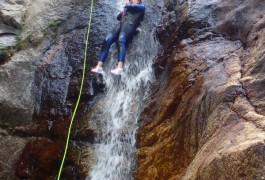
(115,150)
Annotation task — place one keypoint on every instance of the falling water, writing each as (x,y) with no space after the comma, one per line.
(115,150)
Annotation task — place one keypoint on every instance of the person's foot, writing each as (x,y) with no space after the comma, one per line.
(97,70)
(117,71)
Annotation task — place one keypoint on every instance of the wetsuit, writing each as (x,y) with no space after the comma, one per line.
(130,19)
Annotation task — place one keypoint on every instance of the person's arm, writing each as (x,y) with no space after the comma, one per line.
(119,16)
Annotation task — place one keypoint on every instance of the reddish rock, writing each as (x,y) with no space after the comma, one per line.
(205,118)
(40,159)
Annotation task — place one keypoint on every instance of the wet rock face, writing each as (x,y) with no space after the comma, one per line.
(205,118)
(40,153)
(39,86)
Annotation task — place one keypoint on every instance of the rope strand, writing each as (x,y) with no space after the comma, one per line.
(80,92)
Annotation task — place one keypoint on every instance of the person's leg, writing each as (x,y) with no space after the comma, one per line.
(106,45)
(125,36)
(111,37)
(120,65)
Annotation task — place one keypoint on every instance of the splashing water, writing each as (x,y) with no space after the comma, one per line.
(115,150)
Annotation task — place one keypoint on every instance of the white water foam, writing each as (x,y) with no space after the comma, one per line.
(115,150)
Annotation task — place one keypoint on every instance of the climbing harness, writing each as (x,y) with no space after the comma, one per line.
(80,92)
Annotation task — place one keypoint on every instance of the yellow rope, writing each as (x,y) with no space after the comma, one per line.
(79,96)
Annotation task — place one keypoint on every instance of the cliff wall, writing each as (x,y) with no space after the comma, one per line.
(205,118)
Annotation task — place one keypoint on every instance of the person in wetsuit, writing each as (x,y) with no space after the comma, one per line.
(129,19)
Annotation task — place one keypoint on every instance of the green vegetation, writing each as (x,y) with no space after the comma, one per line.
(54,23)
(20,26)
(3,53)
(18,42)
(7,52)
(18,45)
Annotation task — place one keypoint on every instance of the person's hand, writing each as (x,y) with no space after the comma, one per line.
(126,5)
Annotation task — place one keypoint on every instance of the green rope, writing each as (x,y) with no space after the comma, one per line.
(79,96)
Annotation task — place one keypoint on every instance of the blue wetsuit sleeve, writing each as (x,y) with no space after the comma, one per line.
(137,7)
(119,16)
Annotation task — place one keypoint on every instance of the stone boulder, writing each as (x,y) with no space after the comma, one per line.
(8,36)
(16,102)
(12,13)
